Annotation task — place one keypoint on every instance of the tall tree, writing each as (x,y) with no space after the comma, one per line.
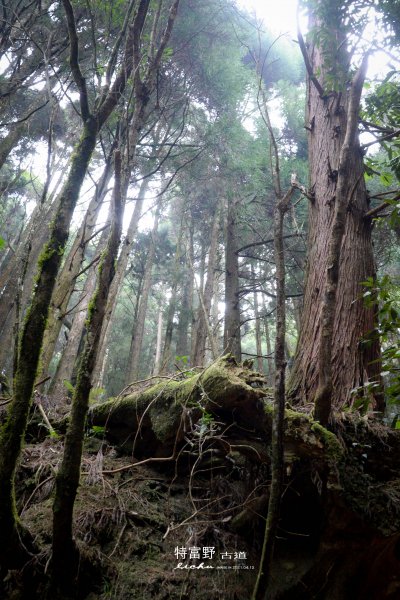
(232,301)
(331,358)
(204,326)
(138,331)
(93,119)
(65,555)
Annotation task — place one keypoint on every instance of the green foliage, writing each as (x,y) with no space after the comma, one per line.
(382,107)
(214,56)
(2,243)
(68,385)
(96,395)
(97,431)
(386,294)
(363,396)
(206,424)
(390,12)
(184,361)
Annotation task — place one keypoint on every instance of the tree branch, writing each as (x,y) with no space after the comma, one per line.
(378,209)
(74,60)
(135,29)
(307,64)
(354,102)
(269,241)
(384,138)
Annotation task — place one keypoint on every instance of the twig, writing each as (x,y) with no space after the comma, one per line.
(139,463)
(42,381)
(34,492)
(121,533)
(46,420)
(6,401)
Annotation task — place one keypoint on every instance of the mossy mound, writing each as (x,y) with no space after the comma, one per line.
(153,421)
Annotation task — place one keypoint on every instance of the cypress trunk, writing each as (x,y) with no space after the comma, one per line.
(117,282)
(21,272)
(277,457)
(70,354)
(66,278)
(338,199)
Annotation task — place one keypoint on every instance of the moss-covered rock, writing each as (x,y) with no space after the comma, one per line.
(154,420)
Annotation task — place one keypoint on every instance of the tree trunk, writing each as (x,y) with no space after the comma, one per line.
(65,557)
(215,318)
(70,354)
(169,327)
(67,276)
(31,338)
(204,324)
(193,325)
(21,272)
(155,421)
(185,315)
(10,141)
(277,449)
(137,337)
(232,306)
(329,116)
(270,360)
(257,326)
(120,271)
(157,359)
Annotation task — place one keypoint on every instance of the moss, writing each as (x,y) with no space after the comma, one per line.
(223,387)
(334,450)
(48,251)
(295,420)
(91,308)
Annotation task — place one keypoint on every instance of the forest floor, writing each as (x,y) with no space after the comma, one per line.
(189,525)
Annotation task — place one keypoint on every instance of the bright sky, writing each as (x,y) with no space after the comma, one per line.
(278,15)
(281,17)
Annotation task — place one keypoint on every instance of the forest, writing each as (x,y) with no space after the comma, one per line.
(199,300)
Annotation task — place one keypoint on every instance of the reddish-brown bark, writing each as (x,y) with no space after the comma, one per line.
(352,361)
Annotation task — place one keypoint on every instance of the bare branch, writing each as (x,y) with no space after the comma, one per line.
(269,241)
(307,64)
(384,138)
